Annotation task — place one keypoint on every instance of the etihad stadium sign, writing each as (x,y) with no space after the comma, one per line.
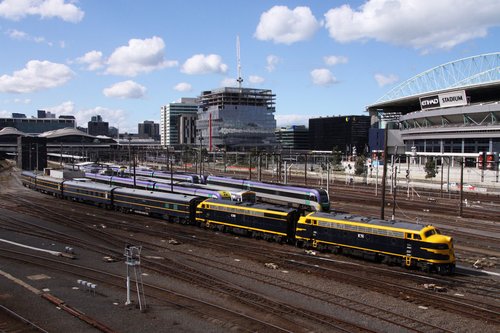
(454,98)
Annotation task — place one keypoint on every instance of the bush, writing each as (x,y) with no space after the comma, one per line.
(430,168)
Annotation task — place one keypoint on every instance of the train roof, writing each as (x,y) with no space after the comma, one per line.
(371,221)
(155,194)
(89,185)
(268,185)
(49,178)
(251,205)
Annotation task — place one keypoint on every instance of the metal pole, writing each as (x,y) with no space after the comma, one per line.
(133,151)
(394,195)
(462,187)
(408,178)
(305,170)
(327,177)
(250,166)
(384,175)
(442,161)
(171,177)
(448,178)
(286,172)
(127,302)
(260,167)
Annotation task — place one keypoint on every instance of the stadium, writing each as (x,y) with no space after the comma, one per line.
(450,110)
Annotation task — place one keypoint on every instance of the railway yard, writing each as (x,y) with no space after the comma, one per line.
(197,280)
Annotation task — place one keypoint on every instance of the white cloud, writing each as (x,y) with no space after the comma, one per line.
(125,89)
(272,61)
(46,9)
(183,87)
(283,25)
(115,117)
(37,75)
(322,77)
(22,100)
(204,64)
(383,80)
(5,114)
(21,35)
(16,34)
(139,56)
(335,60)
(92,59)
(423,25)
(229,82)
(255,79)
(283,120)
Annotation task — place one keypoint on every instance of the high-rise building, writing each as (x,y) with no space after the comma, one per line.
(97,127)
(295,137)
(149,129)
(236,119)
(42,114)
(341,133)
(177,122)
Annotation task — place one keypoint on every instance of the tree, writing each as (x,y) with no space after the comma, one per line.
(430,168)
(360,165)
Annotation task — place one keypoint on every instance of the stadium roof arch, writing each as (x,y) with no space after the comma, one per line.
(479,75)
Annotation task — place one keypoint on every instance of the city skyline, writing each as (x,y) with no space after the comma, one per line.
(123,61)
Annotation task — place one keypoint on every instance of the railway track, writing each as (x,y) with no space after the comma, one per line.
(116,229)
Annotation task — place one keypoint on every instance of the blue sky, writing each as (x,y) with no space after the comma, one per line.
(124,59)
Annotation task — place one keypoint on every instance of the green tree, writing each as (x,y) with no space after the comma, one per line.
(430,168)
(360,165)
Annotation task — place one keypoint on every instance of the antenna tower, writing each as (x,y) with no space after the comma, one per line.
(240,79)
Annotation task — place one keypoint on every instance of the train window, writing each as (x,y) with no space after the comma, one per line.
(430,232)
(308,221)
(417,236)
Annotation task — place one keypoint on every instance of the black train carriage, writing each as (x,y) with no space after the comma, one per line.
(89,192)
(251,219)
(393,242)
(45,184)
(174,207)
(28,179)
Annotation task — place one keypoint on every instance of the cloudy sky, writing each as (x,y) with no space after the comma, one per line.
(124,59)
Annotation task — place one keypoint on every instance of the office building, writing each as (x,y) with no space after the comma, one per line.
(236,119)
(295,137)
(342,133)
(97,127)
(177,122)
(149,129)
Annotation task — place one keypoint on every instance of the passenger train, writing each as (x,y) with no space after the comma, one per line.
(392,242)
(309,199)
(149,184)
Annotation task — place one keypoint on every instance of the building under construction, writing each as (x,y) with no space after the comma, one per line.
(236,119)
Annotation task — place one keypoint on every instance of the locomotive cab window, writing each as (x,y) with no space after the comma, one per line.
(417,236)
(429,233)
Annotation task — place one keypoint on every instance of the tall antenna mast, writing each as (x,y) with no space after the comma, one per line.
(239,80)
